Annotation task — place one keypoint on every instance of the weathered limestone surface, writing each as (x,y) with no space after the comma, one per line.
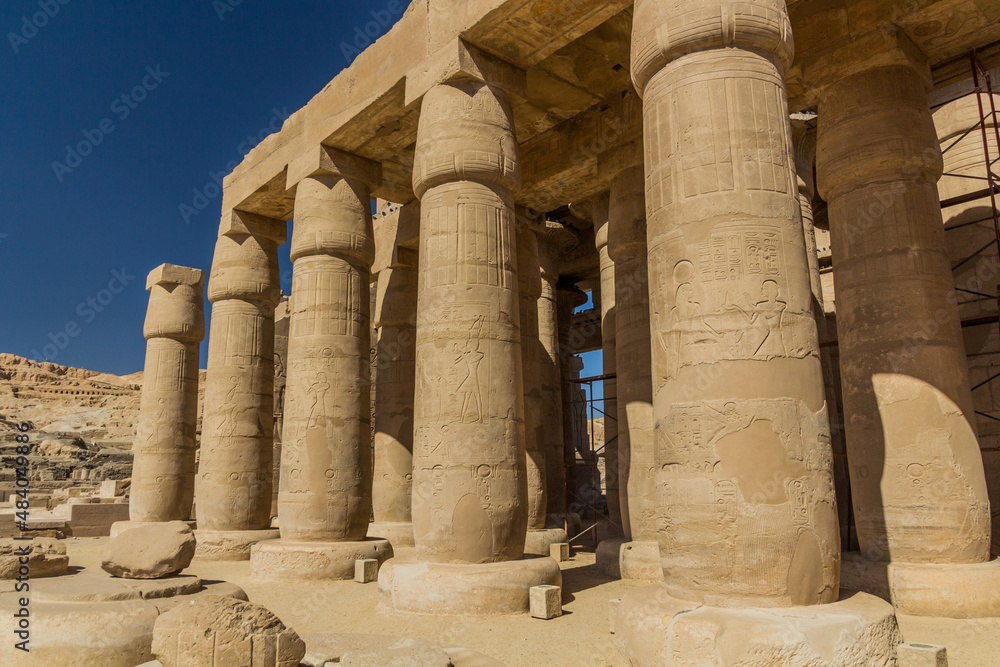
(396,320)
(552,240)
(529,280)
(46,557)
(326,467)
(746,506)
(970,229)
(470,490)
(234,482)
(151,551)
(917,480)
(637,465)
(164,463)
(599,208)
(216,630)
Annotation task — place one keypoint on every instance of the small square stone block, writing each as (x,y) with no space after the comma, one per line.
(613,612)
(921,655)
(365,570)
(559,551)
(546,601)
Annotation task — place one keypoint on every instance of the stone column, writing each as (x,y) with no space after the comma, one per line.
(636,555)
(609,333)
(233,486)
(568,299)
(164,466)
(396,319)
(970,229)
(469,484)
(281,322)
(804,150)
(917,478)
(537,370)
(553,240)
(324,504)
(747,513)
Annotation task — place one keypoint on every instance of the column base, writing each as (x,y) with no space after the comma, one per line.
(460,589)
(90,618)
(230,545)
(399,534)
(537,542)
(288,560)
(654,628)
(951,590)
(119,527)
(621,559)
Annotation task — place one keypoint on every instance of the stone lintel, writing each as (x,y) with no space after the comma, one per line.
(330,161)
(459,61)
(171,274)
(241,222)
(886,46)
(616,160)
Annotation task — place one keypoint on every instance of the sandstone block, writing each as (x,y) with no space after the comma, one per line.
(152,551)
(94,519)
(47,557)
(921,655)
(546,602)
(559,552)
(215,630)
(365,570)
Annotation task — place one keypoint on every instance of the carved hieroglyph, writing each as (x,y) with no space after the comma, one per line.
(325,491)
(234,480)
(529,279)
(917,479)
(745,500)
(164,467)
(396,319)
(469,486)
(627,247)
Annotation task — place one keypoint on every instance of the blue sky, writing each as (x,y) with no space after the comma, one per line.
(119,119)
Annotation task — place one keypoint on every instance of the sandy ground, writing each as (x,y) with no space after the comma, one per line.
(579,638)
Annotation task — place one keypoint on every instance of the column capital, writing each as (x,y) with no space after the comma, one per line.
(666,30)
(330,161)
(176,304)
(245,265)
(616,160)
(459,61)
(466,133)
(804,152)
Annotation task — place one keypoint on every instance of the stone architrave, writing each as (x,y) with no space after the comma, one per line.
(396,321)
(324,503)
(469,484)
(917,480)
(164,466)
(636,555)
(233,486)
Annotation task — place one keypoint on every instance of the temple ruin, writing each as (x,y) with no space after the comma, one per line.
(784,217)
